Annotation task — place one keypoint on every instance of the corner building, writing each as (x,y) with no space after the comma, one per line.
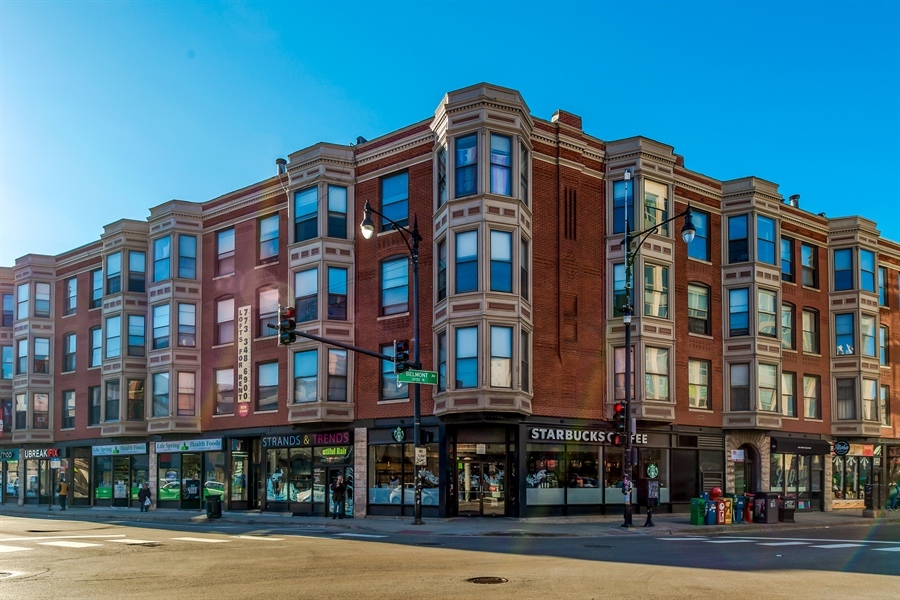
(761,352)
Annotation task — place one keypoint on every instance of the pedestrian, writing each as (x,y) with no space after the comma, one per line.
(338,495)
(144,497)
(62,491)
(894,493)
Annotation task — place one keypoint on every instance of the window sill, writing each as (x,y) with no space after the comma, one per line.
(263,265)
(704,336)
(265,412)
(225,345)
(225,276)
(698,409)
(700,260)
(789,350)
(219,416)
(394,316)
(394,401)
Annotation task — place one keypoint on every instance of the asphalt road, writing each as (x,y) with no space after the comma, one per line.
(79,560)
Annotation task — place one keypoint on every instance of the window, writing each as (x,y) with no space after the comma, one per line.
(524,162)
(22,356)
(187,325)
(96,288)
(867,334)
(113,401)
(225,321)
(187,392)
(306,214)
(619,354)
(442,270)
(466,165)
(870,400)
(114,273)
(882,286)
(442,361)
(21,412)
(96,337)
(337,211)
(884,405)
(466,262)
(136,341)
(884,340)
(6,362)
(395,200)
(811,405)
(524,351)
(789,394)
(94,405)
(68,407)
(843,269)
(160,395)
(466,357)
(41,355)
(69,350)
(843,333)
(846,399)
(740,386)
(698,383)
(137,271)
(224,391)
(161,324)
(442,176)
(306,368)
(787,259)
(656,206)
(656,291)
(225,252)
(620,300)
(134,409)
(738,312)
(867,270)
(162,252)
(501,357)
(113,337)
(306,289)
(41,413)
(187,256)
(394,286)
(391,389)
(787,326)
(656,364)
(337,293)
(765,240)
(768,388)
(623,205)
(523,270)
(737,239)
(810,332)
(699,248)
(268,239)
(501,165)
(337,375)
(8,311)
(809,263)
(71,300)
(501,261)
(268,312)
(22,307)
(767,325)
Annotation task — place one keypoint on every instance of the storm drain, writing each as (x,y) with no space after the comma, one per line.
(487,580)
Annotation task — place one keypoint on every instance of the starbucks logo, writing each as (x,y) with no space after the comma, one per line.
(398,434)
(652,471)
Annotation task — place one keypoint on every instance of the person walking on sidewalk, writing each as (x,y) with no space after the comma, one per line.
(338,495)
(894,495)
(62,490)
(144,497)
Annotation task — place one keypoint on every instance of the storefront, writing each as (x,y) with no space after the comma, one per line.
(392,472)
(299,468)
(9,475)
(851,471)
(189,471)
(119,472)
(42,470)
(797,468)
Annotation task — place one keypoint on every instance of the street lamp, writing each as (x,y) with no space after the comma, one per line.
(411,238)
(687,234)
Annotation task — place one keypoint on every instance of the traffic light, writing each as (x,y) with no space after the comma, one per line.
(287,322)
(619,417)
(401,356)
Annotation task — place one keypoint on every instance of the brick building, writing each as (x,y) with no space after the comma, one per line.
(148,355)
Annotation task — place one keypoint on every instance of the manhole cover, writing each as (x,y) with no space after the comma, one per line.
(429,544)
(487,580)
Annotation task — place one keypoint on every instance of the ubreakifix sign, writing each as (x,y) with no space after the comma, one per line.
(588,436)
(43,453)
(119,449)
(189,446)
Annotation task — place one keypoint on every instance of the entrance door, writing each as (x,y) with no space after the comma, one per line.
(332,476)
(191,468)
(482,489)
(121,481)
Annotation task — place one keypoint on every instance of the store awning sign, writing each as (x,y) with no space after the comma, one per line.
(841,447)
(9,454)
(119,449)
(189,446)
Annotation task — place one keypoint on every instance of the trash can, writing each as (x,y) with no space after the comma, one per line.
(711,512)
(213,507)
(748,508)
(868,496)
(729,509)
(698,511)
(738,516)
(765,507)
(786,507)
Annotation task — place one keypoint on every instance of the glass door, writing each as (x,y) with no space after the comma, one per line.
(482,489)
(121,481)
(469,478)
(191,468)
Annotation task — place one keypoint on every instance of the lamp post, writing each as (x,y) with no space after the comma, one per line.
(411,238)
(687,234)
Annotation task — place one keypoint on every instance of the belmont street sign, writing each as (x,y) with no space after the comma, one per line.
(414,376)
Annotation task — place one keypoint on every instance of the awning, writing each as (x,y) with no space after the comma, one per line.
(800,446)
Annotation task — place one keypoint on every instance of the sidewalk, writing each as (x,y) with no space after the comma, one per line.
(664,524)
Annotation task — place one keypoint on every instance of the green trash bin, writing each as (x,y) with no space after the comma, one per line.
(698,511)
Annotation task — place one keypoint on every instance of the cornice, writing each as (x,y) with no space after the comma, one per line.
(240,203)
(426,137)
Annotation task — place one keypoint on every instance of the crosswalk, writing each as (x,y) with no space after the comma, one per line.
(807,543)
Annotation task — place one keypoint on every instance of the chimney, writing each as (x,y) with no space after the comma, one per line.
(794,200)
(280,166)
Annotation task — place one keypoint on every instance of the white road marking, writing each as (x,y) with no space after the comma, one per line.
(204,540)
(64,544)
(12,549)
(60,537)
(133,541)
(729,541)
(783,544)
(811,540)
(259,538)
(894,549)
(362,535)
(830,546)
(685,539)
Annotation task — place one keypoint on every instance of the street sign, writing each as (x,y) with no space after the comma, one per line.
(421,457)
(413,376)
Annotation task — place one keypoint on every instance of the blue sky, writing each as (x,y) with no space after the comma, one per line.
(110,108)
